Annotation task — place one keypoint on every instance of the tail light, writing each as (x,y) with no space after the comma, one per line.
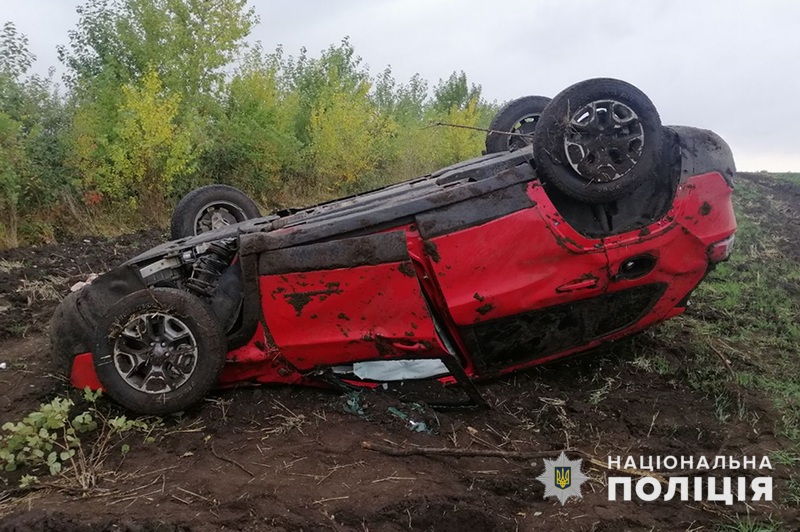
(720,251)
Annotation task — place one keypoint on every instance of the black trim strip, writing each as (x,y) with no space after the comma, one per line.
(474,211)
(379,248)
(316,228)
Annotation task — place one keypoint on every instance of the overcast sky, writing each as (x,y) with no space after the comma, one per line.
(726,65)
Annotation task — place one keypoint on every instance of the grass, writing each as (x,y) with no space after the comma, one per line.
(792,495)
(597,396)
(748,310)
(45,289)
(7,266)
(791,177)
(788,457)
(651,362)
(743,328)
(748,524)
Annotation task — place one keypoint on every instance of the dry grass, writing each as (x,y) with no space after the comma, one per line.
(10,501)
(7,266)
(284,422)
(45,289)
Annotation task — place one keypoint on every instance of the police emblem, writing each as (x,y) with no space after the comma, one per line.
(562,478)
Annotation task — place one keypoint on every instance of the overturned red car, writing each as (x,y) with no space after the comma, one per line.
(586,222)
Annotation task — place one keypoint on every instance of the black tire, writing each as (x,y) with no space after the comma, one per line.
(68,334)
(598,140)
(129,368)
(190,216)
(516,116)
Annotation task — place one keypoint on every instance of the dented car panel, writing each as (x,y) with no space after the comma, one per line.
(349,314)
(475,264)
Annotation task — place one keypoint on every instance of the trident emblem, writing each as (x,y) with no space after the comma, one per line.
(563,477)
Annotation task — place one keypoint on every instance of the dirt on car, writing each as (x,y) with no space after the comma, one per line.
(291,458)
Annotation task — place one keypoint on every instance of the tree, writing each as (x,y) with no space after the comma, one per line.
(32,121)
(347,132)
(130,58)
(15,58)
(338,69)
(11,162)
(164,95)
(254,144)
(454,93)
(348,135)
(188,42)
(149,149)
(458,102)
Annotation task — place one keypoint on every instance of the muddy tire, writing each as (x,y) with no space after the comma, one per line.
(516,116)
(211,207)
(159,351)
(598,140)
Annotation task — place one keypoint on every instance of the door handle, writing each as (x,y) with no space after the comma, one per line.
(578,284)
(413,346)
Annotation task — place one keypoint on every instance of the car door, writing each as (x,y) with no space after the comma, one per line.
(344,301)
(519,283)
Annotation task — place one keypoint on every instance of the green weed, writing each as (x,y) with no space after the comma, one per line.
(749,524)
(53,440)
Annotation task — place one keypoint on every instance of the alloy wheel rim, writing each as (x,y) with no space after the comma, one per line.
(155,352)
(604,140)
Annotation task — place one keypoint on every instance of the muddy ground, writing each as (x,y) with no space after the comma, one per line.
(281,458)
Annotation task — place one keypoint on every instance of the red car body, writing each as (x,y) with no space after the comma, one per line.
(498,278)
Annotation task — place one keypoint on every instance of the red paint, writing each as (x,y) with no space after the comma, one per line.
(528,260)
(330,317)
(511,264)
(259,361)
(83,374)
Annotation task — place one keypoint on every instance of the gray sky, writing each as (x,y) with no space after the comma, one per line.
(726,65)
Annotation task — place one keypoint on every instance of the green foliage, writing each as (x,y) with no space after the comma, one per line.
(32,124)
(52,439)
(15,58)
(149,149)
(37,439)
(749,524)
(11,160)
(347,134)
(188,42)
(165,95)
(455,93)
(146,76)
(254,142)
(326,123)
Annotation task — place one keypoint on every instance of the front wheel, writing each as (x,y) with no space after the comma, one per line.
(598,140)
(159,351)
(211,207)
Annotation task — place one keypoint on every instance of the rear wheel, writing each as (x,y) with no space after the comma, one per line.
(517,117)
(159,351)
(598,140)
(211,207)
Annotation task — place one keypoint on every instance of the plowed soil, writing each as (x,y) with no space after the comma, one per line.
(284,458)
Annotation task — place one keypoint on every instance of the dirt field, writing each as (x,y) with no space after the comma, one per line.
(280,458)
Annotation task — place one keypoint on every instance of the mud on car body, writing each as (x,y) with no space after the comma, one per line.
(597,229)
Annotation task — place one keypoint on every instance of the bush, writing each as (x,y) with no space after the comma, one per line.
(150,113)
